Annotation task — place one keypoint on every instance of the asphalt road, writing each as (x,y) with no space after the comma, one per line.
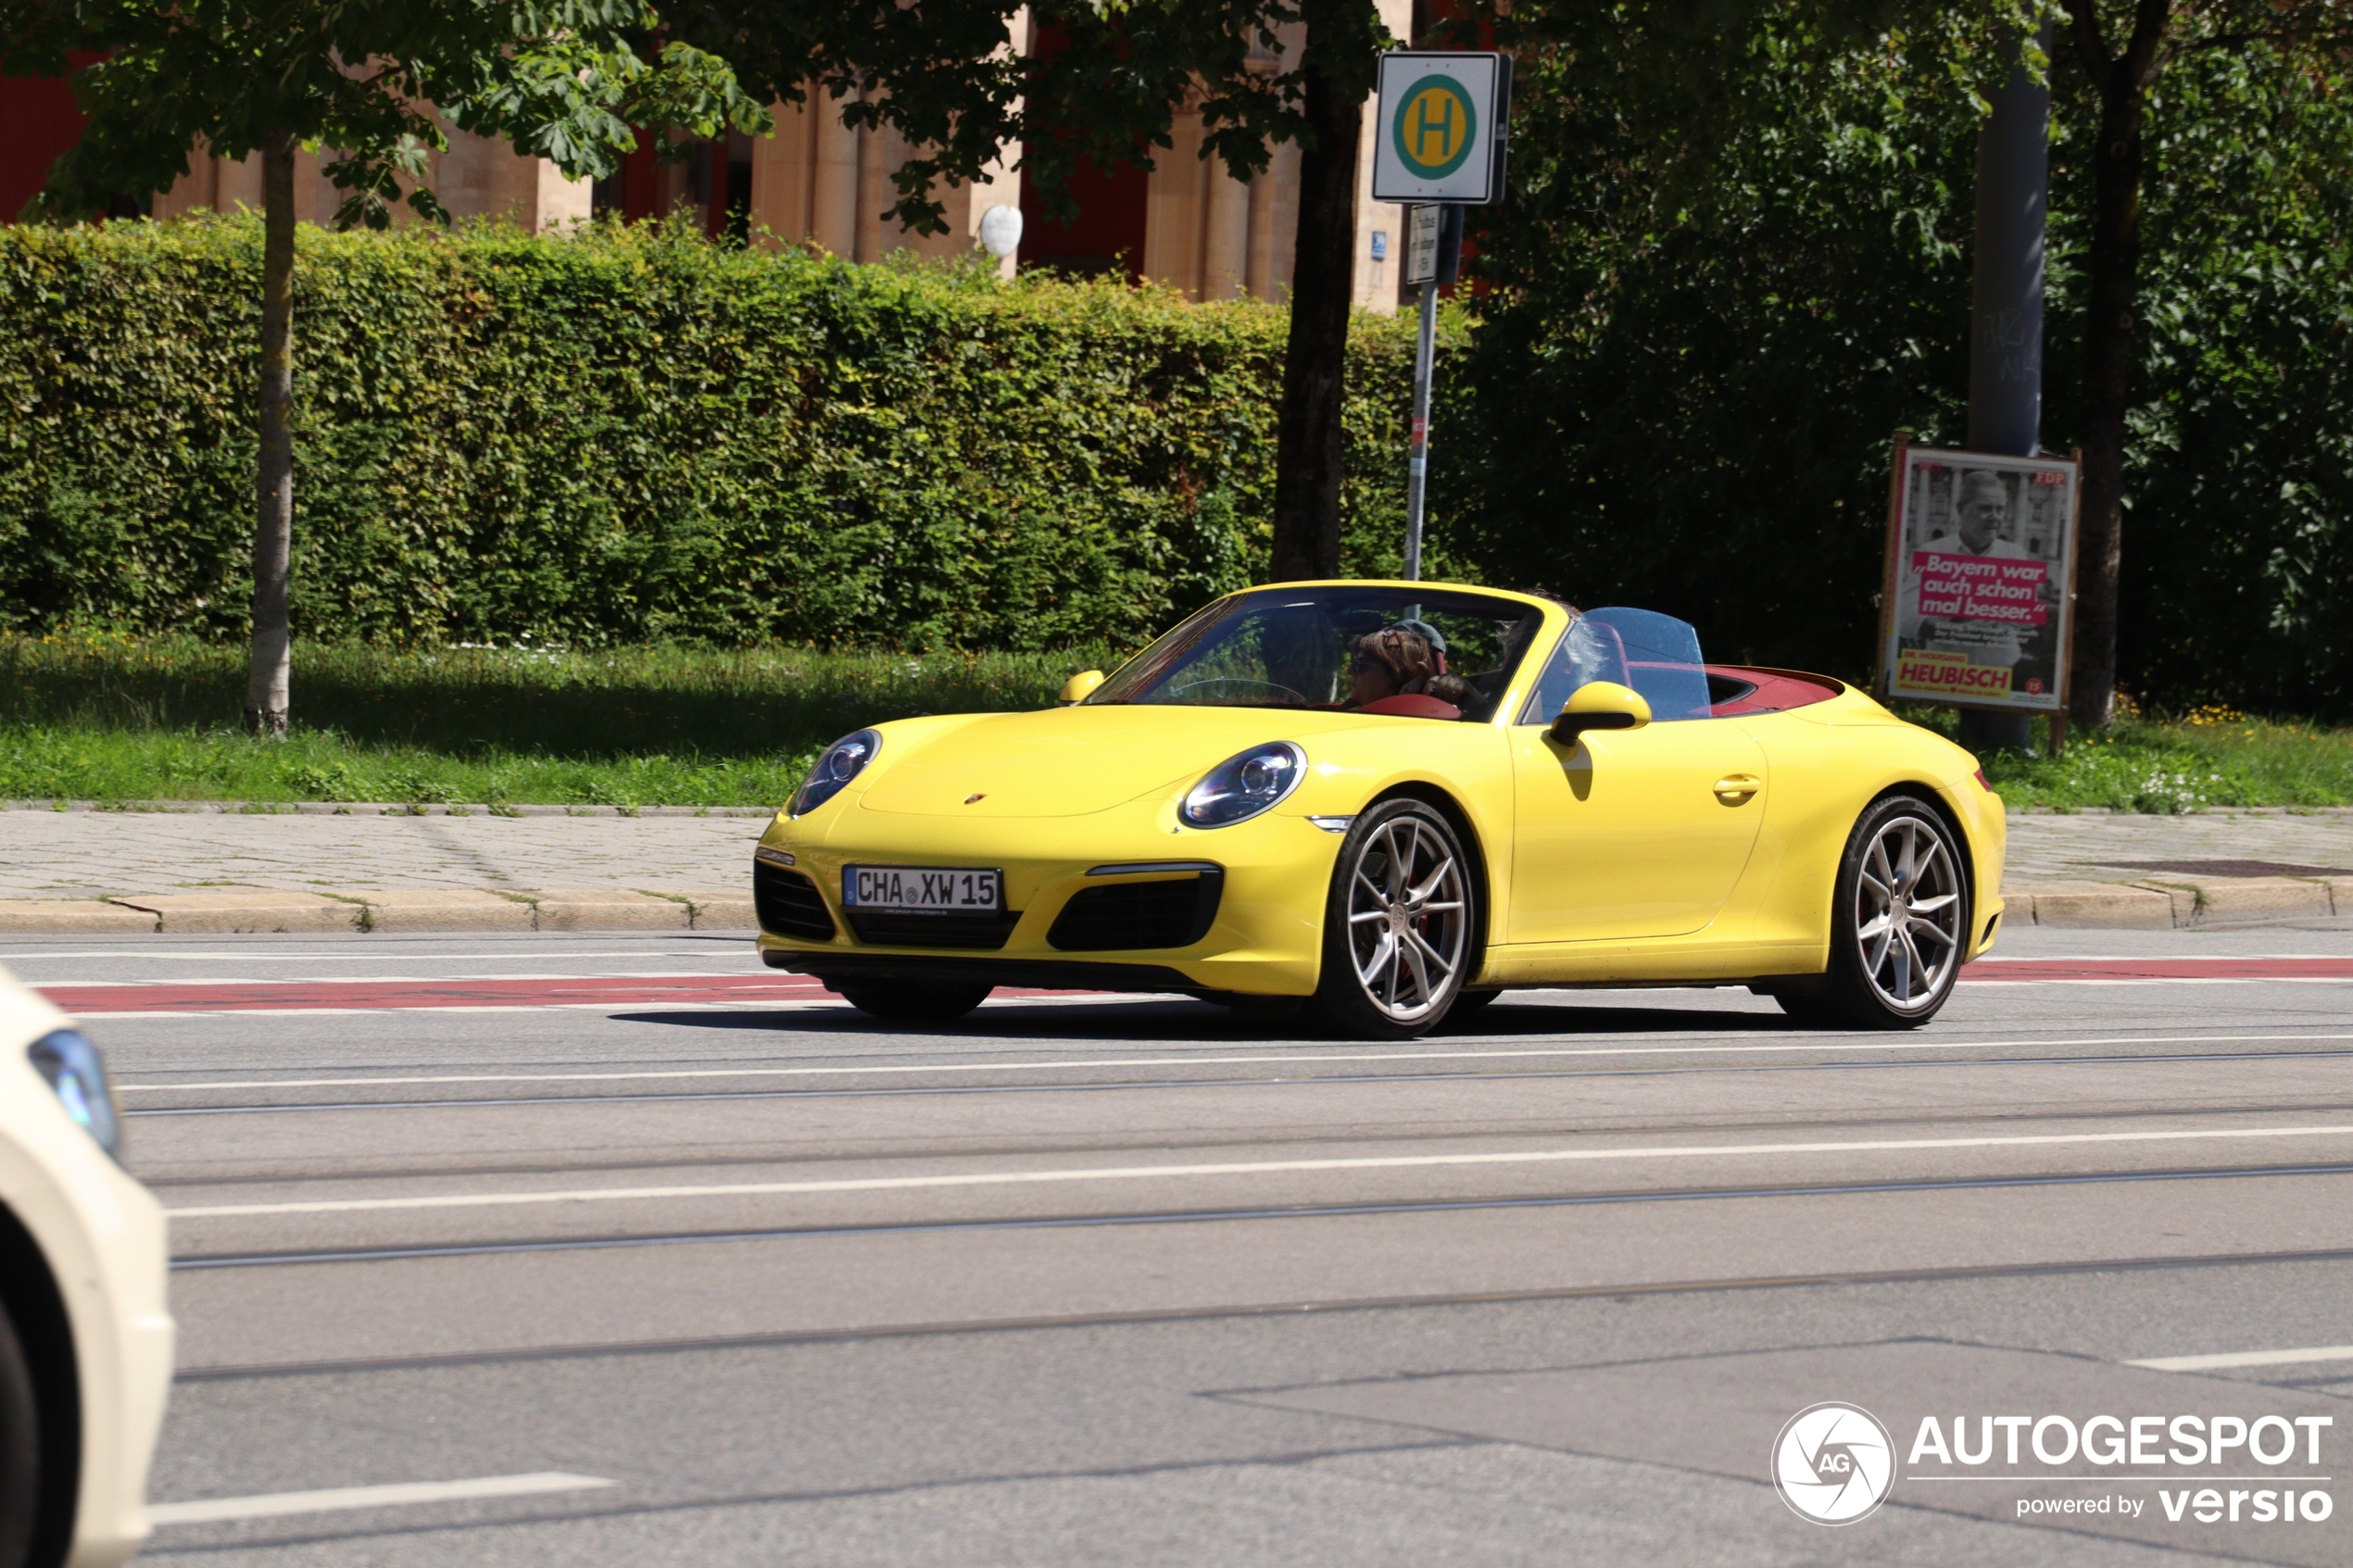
(627,1250)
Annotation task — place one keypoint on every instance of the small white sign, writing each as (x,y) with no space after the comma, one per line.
(1421,243)
(1442,126)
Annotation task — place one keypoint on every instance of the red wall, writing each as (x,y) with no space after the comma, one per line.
(1107,233)
(38,121)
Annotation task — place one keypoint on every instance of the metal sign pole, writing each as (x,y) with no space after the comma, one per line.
(1433,256)
(1444,124)
(1417,462)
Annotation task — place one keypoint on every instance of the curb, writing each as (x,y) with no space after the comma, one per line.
(2192,811)
(2170,906)
(221,911)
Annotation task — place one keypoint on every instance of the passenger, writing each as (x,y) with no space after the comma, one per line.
(1451,689)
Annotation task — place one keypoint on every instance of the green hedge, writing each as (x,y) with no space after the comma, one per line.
(632,434)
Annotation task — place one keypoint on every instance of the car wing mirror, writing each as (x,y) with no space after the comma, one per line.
(1078,686)
(1600,705)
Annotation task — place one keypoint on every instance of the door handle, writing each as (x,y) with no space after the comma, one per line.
(1735,789)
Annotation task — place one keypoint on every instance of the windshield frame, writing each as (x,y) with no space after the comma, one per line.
(1155,661)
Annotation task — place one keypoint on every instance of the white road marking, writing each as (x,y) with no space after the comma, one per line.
(2247,1358)
(1234,1168)
(1253,1060)
(271,1505)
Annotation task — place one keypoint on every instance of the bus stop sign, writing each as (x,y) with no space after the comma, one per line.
(1443,118)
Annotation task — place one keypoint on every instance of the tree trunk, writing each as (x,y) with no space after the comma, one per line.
(1308,434)
(266,681)
(2113,280)
(2112,300)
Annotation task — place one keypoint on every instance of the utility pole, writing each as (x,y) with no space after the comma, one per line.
(2006,307)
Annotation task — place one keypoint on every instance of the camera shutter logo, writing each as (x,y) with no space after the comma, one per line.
(1435,127)
(1833,1464)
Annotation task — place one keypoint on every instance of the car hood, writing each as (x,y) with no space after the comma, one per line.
(1072,761)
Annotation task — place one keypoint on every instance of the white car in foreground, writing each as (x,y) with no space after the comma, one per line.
(85,1340)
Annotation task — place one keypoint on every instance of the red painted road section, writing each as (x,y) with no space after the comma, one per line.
(639,991)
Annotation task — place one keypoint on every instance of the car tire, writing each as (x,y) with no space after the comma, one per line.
(1899,924)
(915,1001)
(1398,925)
(19,1450)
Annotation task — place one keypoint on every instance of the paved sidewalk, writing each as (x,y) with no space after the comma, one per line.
(2128,847)
(105,854)
(375,867)
(88,873)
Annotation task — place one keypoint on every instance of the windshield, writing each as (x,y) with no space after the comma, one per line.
(1405,652)
(1656,655)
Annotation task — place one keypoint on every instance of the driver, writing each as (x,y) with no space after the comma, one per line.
(1406,660)
(1392,662)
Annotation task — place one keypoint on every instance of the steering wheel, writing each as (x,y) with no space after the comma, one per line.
(1300,697)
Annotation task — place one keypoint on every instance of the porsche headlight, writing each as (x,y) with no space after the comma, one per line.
(843,761)
(74,1071)
(1241,786)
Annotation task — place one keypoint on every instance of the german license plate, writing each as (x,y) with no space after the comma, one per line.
(941,890)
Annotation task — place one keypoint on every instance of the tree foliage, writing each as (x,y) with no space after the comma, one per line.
(563,80)
(1699,342)
(951,77)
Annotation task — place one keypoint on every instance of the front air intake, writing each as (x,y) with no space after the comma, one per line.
(789,904)
(1130,916)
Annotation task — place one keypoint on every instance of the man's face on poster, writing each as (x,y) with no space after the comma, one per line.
(1984,509)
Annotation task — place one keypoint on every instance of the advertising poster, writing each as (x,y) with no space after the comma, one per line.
(1980,571)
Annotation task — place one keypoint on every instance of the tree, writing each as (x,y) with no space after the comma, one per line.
(947,75)
(1728,268)
(1730,265)
(2123,50)
(562,79)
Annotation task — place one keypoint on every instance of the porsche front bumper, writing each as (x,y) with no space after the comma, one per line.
(1265,937)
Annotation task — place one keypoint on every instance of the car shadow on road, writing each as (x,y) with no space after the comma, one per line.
(1169,1020)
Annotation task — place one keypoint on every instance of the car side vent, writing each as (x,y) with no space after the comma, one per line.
(1131,915)
(789,904)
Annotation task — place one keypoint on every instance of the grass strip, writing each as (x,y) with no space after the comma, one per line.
(113,719)
(2211,757)
(107,718)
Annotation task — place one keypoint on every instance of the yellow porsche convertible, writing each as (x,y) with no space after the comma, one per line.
(1390,801)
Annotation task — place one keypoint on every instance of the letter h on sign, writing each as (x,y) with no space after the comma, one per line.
(1442,126)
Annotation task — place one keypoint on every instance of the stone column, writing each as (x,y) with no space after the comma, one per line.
(833,202)
(1225,245)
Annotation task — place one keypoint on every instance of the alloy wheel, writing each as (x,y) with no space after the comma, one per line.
(1408,926)
(1907,911)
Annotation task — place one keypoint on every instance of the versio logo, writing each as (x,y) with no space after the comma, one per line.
(1435,127)
(1833,1464)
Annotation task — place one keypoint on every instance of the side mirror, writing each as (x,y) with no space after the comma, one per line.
(1600,705)
(1078,687)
